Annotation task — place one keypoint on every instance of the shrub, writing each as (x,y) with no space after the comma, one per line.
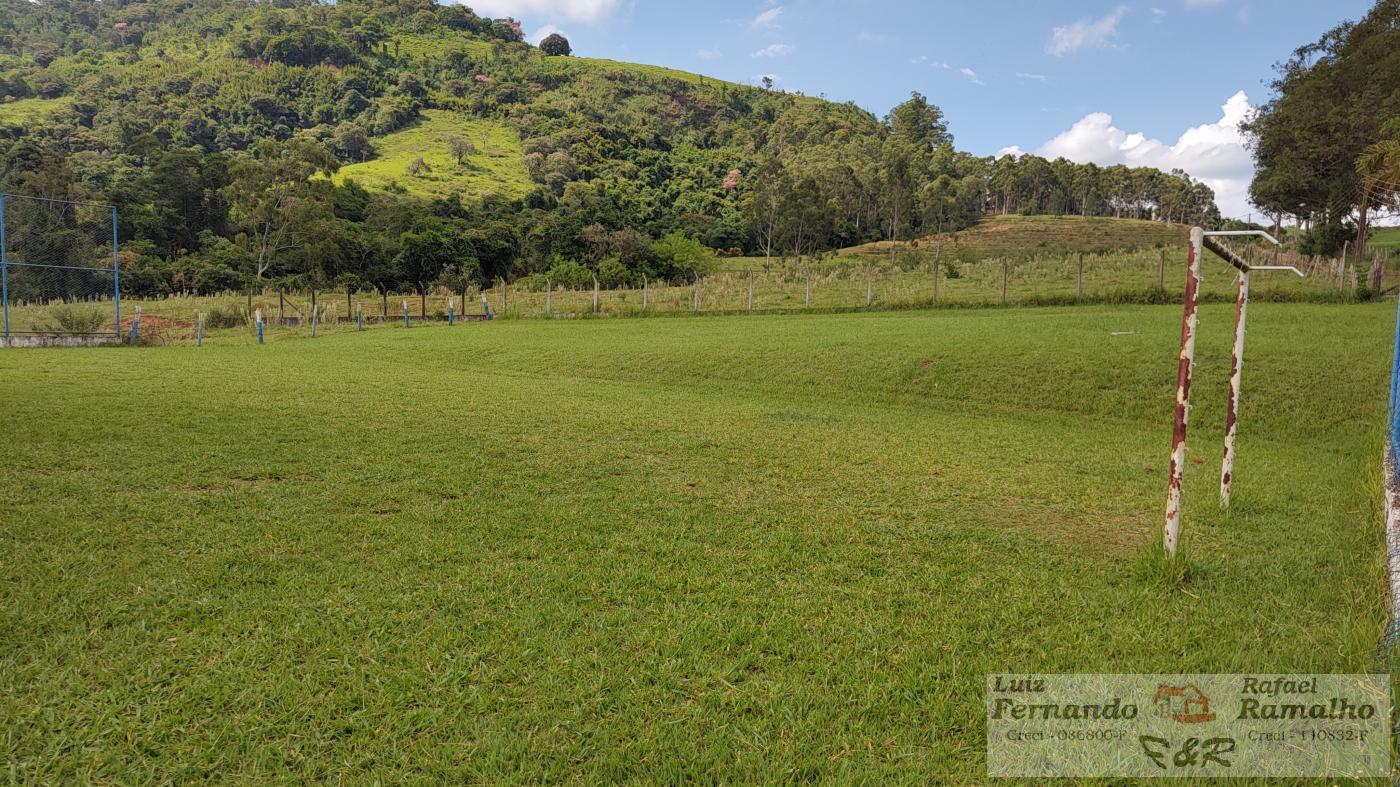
(79,319)
(612,273)
(570,274)
(226,317)
(556,45)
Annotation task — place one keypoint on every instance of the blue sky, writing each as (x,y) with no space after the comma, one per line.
(1152,83)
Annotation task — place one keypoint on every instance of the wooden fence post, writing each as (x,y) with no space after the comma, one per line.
(869,287)
(646,291)
(1079,281)
(809,284)
(595,294)
(1162,271)
(750,289)
(937,263)
(548,297)
(1005,270)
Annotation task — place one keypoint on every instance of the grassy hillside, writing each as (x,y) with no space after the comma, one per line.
(494,168)
(1035,236)
(693,550)
(27,111)
(1386,238)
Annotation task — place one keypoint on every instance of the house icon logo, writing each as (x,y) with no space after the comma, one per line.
(1185,704)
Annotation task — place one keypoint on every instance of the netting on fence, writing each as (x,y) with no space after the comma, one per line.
(58,267)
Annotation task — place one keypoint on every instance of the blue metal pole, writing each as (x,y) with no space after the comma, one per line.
(451,314)
(359,317)
(405,314)
(5,270)
(116,272)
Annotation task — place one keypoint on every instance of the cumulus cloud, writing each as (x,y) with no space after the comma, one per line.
(1032,77)
(1087,33)
(971,76)
(775,50)
(545,32)
(575,10)
(1214,152)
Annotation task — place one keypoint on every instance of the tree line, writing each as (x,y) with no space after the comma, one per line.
(217,127)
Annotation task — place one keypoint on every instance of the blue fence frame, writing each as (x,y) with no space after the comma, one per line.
(5,258)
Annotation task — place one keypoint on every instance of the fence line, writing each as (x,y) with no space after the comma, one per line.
(913,281)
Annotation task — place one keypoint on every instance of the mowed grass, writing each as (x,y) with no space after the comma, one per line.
(495,167)
(721,549)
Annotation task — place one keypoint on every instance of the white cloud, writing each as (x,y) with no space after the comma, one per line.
(1203,3)
(1214,152)
(1032,77)
(1013,151)
(767,18)
(757,79)
(712,53)
(971,75)
(1086,34)
(775,50)
(574,10)
(545,32)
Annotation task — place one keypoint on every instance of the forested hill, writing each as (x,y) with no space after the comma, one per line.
(406,143)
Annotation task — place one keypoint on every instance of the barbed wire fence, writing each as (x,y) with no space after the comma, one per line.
(59,267)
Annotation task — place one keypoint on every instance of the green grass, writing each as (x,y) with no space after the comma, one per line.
(27,111)
(495,168)
(1385,238)
(1031,236)
(711,550)
(838,283)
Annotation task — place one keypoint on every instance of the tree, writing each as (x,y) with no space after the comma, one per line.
(273,199)
(919,123)
(460,149)
(425,252)
(1331,98)
(681,257)
(556,45)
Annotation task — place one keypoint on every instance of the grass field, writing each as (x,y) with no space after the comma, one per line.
(30,110)
(732,549)
(495,167)
(1385,238)
(1021,237)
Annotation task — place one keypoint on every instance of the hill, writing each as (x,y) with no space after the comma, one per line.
(254,142)
(1385,238)
(1038,236)
(419,160)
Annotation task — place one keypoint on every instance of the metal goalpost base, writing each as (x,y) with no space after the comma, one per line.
(1202,241)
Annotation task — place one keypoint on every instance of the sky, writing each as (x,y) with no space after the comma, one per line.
(1160,83)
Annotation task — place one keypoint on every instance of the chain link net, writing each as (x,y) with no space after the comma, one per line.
(59,267)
